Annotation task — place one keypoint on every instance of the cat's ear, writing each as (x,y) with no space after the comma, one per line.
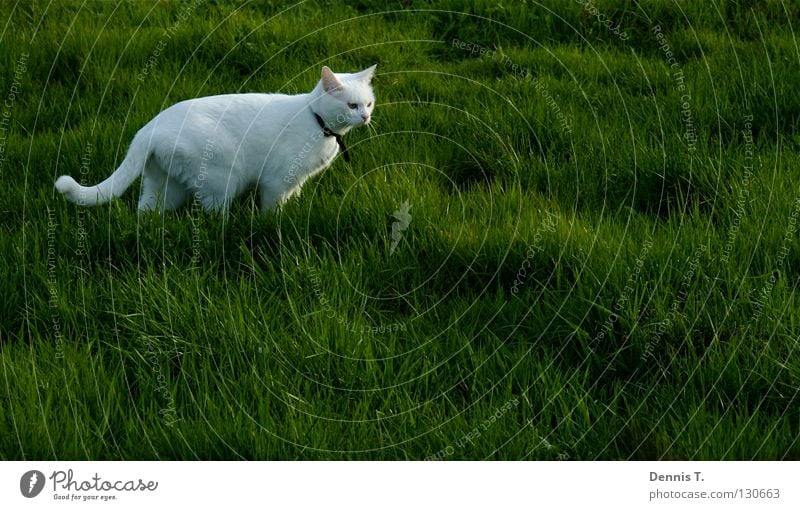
(366,75)
(330,82)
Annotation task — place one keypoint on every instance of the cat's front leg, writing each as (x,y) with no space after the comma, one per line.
(272,197)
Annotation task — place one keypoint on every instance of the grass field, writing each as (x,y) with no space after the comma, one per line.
(601,262)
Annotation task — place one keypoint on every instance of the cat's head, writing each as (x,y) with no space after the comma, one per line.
(346,99)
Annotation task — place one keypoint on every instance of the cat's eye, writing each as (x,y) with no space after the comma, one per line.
(369,104)
(352,106)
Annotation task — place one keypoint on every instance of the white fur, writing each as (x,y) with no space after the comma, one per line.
(216,147)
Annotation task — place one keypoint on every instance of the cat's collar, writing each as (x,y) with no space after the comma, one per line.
(327,132)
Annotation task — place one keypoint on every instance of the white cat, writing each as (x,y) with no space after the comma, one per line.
(216,147)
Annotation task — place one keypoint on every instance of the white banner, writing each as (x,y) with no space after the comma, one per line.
(400,485)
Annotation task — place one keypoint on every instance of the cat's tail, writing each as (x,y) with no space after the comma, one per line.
(115,185)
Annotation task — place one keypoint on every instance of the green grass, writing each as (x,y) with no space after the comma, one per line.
(657,317)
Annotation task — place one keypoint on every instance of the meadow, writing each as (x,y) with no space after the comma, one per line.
(569,233)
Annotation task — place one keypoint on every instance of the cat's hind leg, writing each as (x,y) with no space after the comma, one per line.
(270,198)
(174,195)
(153,182)
(160,192)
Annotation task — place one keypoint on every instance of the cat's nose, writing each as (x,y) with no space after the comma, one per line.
(365,117)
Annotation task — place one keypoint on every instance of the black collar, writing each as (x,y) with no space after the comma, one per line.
(327,132)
